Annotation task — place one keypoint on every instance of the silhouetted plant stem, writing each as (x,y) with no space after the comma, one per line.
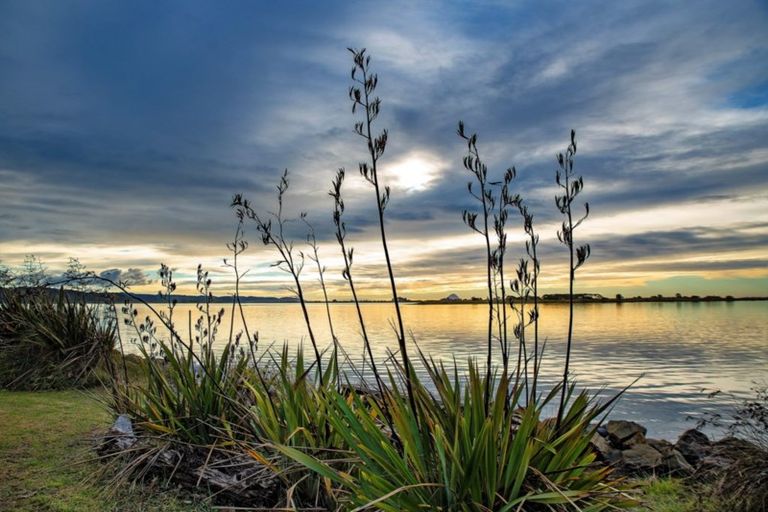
(287,263)
(572,186)
(500,222)
(376,145)
(475,165)
(348,254)
(521,288)
(531,248)
(169,286)
(237,247)
(315,256)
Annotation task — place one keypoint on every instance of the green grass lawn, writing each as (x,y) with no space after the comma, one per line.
(46,457)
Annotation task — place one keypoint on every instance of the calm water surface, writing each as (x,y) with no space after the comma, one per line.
(679,351)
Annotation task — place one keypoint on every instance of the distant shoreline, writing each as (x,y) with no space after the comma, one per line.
(560,299)
(604,300)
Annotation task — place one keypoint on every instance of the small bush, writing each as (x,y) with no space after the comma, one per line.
(451,455)
(743,485)
(51,342)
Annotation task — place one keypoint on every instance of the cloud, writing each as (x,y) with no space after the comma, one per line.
(131,276)
(124,132)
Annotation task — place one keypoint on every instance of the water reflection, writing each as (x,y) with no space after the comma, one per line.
(678,349)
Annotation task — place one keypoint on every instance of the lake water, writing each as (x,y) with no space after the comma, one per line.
(679,351)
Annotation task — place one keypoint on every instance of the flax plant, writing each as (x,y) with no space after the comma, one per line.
(238,246)
(272,230)
(361,95)
(571,185)
(531,249)
(188,395)
(315,257)
(487,200)
(444,442)
(52,341)
(468,458)
(348,255)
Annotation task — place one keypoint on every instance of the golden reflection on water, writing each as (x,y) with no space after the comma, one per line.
(678,349)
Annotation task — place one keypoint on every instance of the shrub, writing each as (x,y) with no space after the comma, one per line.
(50,341)
(454,456)
(743,485)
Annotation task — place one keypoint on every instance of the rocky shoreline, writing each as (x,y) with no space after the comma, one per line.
(619,444)
(623,445)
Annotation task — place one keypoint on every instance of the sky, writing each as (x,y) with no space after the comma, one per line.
(126,127)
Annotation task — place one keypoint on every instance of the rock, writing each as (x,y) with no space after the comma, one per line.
(625,434)
(122,426)
(662,446)
(640,459)
(605,452)
(119,437)
(694,446)
(675,464)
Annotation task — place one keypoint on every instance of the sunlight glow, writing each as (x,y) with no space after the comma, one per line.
(415,172)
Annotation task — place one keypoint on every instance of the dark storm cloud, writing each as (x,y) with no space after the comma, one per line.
(136,122)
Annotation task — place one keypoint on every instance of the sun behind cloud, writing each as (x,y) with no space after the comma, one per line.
(414,172)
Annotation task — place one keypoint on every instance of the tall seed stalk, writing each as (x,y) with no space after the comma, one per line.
(361,95)
(348,254)
(500,222)
(521,290)
(238,246)
(315,256)
(475,165)
(531,246)
(275,236)
(571,186)
(166,295)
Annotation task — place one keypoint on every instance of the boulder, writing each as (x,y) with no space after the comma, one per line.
(122,426)
(673,463)
(605,452)
(660,445)
(694,446)
(625,434)
(640,459)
